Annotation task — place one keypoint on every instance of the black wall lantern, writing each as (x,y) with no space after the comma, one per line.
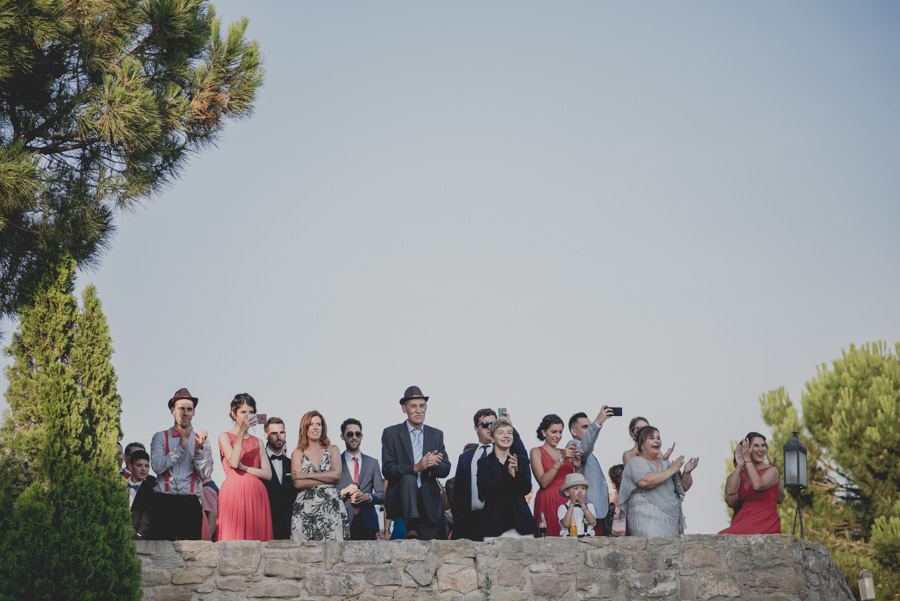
(795,474)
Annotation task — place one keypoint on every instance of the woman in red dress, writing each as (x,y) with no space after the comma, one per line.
(753,489)
(550,467)
(243,501)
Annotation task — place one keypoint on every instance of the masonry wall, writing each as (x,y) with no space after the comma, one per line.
(686,568)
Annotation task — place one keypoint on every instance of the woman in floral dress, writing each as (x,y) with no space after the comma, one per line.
(319,513)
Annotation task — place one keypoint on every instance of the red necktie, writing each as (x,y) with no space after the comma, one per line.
(356,476)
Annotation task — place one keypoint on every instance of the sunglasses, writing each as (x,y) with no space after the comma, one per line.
(353,435)
(486,424)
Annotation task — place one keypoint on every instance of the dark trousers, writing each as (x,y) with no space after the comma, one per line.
(413,509)
(176,517)
(468,526)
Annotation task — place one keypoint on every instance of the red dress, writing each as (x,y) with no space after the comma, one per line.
(758,513)
(547,500)
(244,512)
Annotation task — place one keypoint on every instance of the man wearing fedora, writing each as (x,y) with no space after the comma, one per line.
(182,460)
(413,458)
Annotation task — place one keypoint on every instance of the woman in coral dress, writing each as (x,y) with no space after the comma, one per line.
(243,501)
(550,467)
(753,489)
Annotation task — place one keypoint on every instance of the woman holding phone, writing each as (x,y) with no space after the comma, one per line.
(243,501)
(550,467)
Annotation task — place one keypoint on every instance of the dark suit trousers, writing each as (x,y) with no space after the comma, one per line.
(176,517)
(412,506)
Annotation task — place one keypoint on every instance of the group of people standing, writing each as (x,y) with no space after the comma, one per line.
(321,493)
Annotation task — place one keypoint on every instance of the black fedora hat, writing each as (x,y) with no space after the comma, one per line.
(413,392)
(182,394)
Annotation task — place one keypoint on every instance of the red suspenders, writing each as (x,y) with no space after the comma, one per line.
(167,471)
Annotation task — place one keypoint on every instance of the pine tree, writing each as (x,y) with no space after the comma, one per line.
(101,105)
(65,527)
(850,429)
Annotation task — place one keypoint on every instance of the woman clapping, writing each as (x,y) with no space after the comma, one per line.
(648,494)
(753,490)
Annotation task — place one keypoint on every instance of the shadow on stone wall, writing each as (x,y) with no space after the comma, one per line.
(690,567)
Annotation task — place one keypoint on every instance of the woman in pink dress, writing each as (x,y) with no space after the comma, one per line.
(753,489)
(550,467)
(243,502)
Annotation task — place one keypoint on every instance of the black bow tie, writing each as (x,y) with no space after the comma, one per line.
(278,457)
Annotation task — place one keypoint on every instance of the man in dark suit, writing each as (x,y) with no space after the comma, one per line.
(140,493)
(361,485)
(280,487)
(466,502)
(413,458)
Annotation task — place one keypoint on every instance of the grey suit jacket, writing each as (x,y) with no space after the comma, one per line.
(370,481)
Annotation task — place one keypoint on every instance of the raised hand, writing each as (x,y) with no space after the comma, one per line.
(201,438)
(677,463)
(745,450)
(605,413)
(669,452)
(185,436)
(738,455)
(513,464)
(691,464)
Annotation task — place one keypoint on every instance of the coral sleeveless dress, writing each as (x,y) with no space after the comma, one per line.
(547,500)
(758,513)
(244,512)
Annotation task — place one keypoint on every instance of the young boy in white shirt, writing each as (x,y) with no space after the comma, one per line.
(576,517)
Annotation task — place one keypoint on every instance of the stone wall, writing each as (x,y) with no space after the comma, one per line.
(691,567)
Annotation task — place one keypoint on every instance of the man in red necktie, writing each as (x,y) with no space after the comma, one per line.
(361,485)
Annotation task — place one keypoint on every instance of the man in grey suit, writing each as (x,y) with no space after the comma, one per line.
(361,485)
(413,458)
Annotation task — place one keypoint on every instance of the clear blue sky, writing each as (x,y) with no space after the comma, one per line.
(545,207)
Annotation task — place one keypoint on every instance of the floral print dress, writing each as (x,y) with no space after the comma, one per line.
(319,513)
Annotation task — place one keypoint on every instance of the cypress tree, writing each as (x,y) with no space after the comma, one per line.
(66,531)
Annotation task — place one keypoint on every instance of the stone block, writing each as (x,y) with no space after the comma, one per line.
(204,588)
(608,559)
(664,556)
(599,584)
(383,576)
(702,556)
(462,579)
(274,589)
(511,574)
(238,557)
(173,593)
(409,550)
(284,568)
(231,583)
(383,591)
(557,547)
(308,553)
(192,575)
(550,586)
(366,552)
(322,583)
(783,580)
(155,577)
(687,587)
(656,585)
(422,573)
(542,568)
(710,584)
(510,596)
(629,544)
(191,549)
(153,547)
(453,549)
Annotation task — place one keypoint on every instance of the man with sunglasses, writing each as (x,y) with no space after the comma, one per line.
(361,485)
(467,503)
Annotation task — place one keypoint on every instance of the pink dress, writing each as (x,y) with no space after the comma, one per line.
(547,500)
(244,512)
(758,513)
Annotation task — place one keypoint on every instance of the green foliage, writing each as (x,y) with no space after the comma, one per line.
(850,429)
(65,527)
(101,104)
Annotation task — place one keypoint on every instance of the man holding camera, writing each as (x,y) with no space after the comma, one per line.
(585,432)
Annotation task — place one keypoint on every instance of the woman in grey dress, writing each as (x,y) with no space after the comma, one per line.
(650,494)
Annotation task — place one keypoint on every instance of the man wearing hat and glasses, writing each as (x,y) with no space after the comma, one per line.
(413,458)
(182,460)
